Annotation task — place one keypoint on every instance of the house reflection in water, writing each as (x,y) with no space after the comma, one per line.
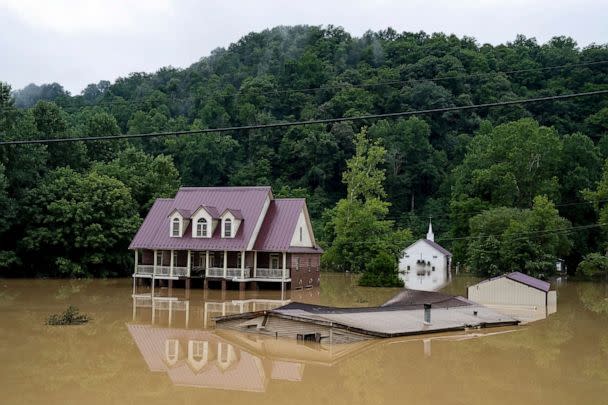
(203,359)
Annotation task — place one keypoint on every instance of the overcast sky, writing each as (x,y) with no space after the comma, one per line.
(76,42)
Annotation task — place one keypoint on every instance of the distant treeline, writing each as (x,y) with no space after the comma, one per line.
(514,187)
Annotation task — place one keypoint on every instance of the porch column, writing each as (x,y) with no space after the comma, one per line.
(188,263)
(284,264)
(155,262)
(207,263)
(225,263)
(255,263)
(243,264)
(136,261)
(171,264)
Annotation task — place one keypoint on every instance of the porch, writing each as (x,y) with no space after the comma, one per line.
(218,265)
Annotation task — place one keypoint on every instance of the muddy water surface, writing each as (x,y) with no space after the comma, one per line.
(139,350)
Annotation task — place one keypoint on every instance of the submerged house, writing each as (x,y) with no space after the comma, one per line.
(411,312)
(228,234)
(425,264)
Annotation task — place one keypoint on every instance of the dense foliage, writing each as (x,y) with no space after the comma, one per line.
(461,167)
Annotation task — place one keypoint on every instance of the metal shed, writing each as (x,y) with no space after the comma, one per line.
(514,290)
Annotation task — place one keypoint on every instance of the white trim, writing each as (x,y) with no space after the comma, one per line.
(260,221)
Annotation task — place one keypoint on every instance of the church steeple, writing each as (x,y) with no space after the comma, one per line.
(430,235)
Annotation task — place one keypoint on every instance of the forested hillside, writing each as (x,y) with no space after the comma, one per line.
(511,187)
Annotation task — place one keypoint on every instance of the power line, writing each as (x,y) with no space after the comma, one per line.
(103,103)
(302,123)
(473,213)
(515,235)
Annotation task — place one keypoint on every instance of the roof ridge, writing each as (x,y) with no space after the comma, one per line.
(225,188)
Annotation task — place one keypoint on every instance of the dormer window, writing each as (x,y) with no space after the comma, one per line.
(175,227)
(201,228)
(227,228)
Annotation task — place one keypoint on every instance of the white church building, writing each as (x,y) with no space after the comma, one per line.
(425,265)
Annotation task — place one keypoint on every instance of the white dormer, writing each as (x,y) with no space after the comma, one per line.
(178,222)
(303,235)
(204,222)
(231,221)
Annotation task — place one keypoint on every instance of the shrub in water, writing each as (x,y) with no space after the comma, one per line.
(69,317)
(381,272)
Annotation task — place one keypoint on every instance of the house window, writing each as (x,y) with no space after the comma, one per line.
(433,268)
(175,258)
(274,261)
(309,263)
(212,260)
(297,264)
(175,228)
(227,228)
(159,258)
(201,228)
(408,268)
(300,234)
(238,259)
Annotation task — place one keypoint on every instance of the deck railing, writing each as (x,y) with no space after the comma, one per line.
(230,273)
(272,273)
(162,271)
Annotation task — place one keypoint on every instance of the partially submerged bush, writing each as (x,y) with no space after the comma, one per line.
(594,265)
(71,316)
(381,272)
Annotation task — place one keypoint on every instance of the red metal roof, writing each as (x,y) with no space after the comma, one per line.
(279,226)
(529,281)
(523,279)
(249,201)
(244,203)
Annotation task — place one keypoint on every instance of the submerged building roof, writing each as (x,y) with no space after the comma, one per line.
(401,315)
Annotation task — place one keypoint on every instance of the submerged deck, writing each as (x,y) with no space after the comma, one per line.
(403,315)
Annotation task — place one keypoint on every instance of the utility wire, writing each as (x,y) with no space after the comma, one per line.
(302,123)
(471,214)
(326,86)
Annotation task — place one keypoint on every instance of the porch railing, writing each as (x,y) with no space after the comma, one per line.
(272,273)
(162,271)
(231,272)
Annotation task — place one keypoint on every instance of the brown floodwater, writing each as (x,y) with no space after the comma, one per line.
(139,350)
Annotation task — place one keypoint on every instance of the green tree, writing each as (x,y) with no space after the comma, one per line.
(414,168)
(102,124)
(512,239)
(510,164)
(356,224)
(147,177)
(381,271)
(594,265)
(78,225)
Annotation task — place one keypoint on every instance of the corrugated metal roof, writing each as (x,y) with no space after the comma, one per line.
(529,280)
(236,213)
(210,210)
(154,232)
(524,279)
(244,203)
(279,225)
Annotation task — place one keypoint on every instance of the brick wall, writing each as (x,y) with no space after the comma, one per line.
(305,269)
